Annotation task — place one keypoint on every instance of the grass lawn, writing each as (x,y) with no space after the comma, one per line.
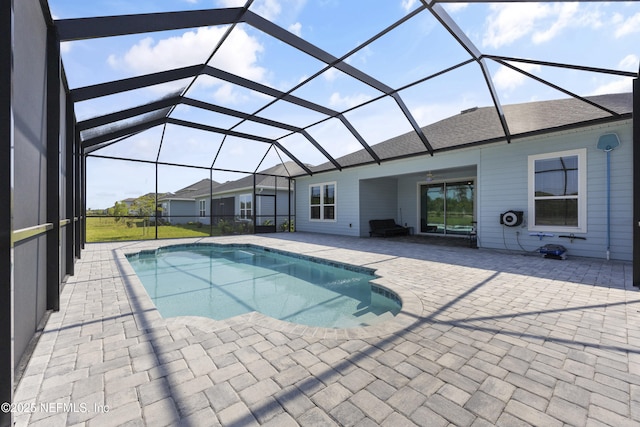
(100,229)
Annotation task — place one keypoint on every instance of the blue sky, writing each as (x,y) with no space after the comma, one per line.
(591,34)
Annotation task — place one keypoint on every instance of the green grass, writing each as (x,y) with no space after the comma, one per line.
(101,229)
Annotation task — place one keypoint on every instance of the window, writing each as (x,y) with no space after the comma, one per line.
(202,208)
(246,201)
(557,191)
(322,202)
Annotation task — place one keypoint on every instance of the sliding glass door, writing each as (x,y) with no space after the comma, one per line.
(446,208)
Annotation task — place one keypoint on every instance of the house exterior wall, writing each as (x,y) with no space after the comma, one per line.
(503,186)
(206,219)
(265,206)
(356,207)
(182,212)
(390,190)
(378,200)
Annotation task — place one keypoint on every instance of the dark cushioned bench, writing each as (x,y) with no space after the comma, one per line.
(386,227)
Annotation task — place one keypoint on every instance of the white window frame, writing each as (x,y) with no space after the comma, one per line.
(582,192)
(322,204)
(202,208)
(246,213)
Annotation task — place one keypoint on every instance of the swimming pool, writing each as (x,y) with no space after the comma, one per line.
(222,281)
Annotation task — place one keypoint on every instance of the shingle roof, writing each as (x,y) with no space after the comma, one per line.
(267,180)
(481,125)
(200,188)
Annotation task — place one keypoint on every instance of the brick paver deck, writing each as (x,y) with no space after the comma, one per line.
(488,338)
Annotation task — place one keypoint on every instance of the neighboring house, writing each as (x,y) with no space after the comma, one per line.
(133,204)
(274,199)
(183,206)
(129,204)
(551,180)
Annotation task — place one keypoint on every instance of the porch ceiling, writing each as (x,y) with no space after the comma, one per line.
(336,100)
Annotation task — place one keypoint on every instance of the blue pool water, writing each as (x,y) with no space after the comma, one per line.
(221,282)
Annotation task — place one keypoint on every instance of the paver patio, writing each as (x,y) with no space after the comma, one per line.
(490,338)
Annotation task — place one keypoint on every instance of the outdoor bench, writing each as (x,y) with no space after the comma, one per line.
(386,227)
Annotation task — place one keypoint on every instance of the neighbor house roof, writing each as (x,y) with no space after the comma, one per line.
(191,192)
(265,179)
(482,125)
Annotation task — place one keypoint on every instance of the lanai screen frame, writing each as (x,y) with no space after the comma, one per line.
(158,113)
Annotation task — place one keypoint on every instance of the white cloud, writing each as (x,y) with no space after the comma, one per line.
(565,16)
(508,79)
(268,9)
(630,62)
(231,3)
(455,7)
(65,47)
(619,85)
(542,22)
(408,4)
(627,26)
(238,55)
(510,22)
(225,95)
(296,29)
(345,102)
(331,74)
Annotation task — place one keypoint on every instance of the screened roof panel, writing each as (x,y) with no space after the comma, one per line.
(140,54)
(258,129)
(336,138)
(447,95)
(245,155)
(363,83)
(336,26)
(550,82)
(186,146)
(142,146)
(276,159)
(293,114)
(379,121)
(67,9)
(336,90)
(408,53)
(200,115)
(595,34)
(250,53)
(302,149)
(226,94)
(126,100)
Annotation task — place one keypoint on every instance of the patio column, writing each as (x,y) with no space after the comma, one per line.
(53,169)
(70,175)
(636,181)
(6,214)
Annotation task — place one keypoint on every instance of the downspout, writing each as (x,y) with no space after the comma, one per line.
(608,143)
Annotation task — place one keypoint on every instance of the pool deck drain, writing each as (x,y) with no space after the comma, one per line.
(487,338)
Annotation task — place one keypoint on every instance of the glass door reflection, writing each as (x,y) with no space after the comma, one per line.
(446,208)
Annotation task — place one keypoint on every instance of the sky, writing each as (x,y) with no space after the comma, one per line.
(601,35)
